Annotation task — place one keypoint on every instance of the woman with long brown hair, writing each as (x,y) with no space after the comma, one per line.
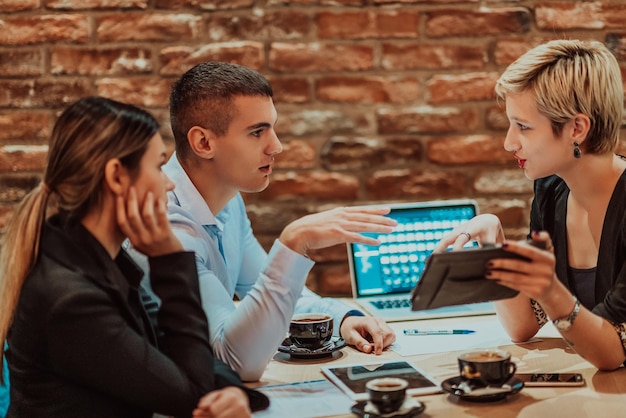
(79,341)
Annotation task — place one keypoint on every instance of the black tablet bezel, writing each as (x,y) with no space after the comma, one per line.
(458,278)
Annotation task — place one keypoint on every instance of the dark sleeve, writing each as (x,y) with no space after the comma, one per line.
(225,376)
(92,343)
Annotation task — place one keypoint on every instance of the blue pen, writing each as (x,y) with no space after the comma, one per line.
(438,331)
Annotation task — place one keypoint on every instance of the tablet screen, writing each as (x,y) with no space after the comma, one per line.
(352,378)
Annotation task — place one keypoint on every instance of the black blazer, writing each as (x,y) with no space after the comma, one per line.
(549,212)
(81,344)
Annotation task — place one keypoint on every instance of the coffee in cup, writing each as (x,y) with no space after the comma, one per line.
(486,367)
(311,330)
(387,393)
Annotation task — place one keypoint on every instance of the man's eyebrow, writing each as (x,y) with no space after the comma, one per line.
(259,125)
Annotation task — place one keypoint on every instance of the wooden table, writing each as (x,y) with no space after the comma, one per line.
(604,394)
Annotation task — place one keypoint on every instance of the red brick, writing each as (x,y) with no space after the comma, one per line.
(208,5)
(296,154)
(290,89)
(177,60)
(271,217)
(403,56)
(349,153)
(379,2)
(306,123)
(368,24)
(504,21)
(616,42)
(289,3)
(417,184)
(301,57)
(42,92)
(149,27)
(513,213)
(504,181)
(9,6)
(29,30)
(25,125)
(426,119)
(580,15)
(13,187)
(508,50)
(312,185)
(96,4)
(23,157)
(496,117)
(21,63)
(282,25)
(472,149)
(143,92)
(110,61)
(368,89)
(334,280)
(462,87)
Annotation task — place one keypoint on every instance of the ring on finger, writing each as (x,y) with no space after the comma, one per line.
(467,234)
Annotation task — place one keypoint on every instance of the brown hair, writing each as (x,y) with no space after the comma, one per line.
(203,97)
(88,133)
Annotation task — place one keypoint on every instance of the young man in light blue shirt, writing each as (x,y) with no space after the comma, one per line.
(223,120)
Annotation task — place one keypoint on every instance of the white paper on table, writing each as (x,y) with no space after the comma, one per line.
(487,334)
(304,400)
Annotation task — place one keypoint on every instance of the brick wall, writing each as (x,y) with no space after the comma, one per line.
(378,100)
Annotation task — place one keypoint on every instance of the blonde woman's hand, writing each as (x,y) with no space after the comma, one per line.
(230,402)
(534,278)
(147,228)
(485,228)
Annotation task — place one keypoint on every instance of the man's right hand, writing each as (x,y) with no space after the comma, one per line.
(336,226)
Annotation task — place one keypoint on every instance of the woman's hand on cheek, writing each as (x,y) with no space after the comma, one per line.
(147,228)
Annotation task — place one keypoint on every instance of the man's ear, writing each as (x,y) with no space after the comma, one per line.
(580,128)
(116,177)
(201,142)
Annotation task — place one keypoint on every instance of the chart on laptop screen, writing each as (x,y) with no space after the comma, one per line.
(396,265)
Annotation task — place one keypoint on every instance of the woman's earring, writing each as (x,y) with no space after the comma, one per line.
(577,152)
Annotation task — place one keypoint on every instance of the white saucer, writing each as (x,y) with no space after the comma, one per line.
(457,386)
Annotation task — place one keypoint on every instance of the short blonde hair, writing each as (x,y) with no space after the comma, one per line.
(569,77)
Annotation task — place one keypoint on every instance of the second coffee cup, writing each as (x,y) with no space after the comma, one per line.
(387,393)
(311,330)
(486,367)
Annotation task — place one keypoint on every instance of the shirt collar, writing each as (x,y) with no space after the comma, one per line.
(186,195)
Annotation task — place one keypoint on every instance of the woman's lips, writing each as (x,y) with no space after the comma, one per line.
(521,163)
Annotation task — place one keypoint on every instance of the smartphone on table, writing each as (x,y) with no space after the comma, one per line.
(551,379)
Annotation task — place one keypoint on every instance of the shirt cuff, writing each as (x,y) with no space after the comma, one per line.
(284,264)
(351,312)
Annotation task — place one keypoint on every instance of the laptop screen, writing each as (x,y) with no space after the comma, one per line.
(396,265)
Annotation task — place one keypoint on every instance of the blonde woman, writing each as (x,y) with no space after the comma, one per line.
(80,343)
(564,101)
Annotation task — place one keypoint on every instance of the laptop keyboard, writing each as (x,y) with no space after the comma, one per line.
(392,304)
(403,253)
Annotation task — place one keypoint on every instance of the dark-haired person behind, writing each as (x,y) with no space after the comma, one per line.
(79,341)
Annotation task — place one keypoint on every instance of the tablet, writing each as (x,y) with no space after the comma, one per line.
(458,278)
(351,378)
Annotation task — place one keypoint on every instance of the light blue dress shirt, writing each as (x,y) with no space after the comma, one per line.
(230,260)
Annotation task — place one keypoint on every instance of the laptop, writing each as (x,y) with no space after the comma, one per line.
(384,276)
